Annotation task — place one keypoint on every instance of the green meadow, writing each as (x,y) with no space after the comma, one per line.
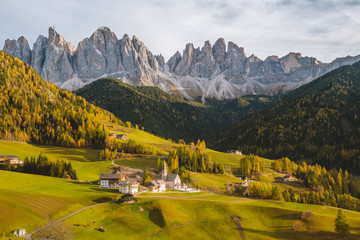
(208,217)
(30,201)
(84,161)
(141,162)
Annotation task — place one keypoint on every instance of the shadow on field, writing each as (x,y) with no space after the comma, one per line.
(102,200)
(156,216)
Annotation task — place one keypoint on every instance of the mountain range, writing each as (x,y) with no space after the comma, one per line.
(214,71)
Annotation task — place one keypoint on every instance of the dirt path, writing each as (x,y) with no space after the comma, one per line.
(29,235)
(176,226)
(236,220)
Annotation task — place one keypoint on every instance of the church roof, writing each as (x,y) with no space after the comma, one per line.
(171,177)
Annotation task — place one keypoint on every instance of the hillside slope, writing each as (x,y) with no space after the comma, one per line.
(166,115)
(318,122)
(34,110)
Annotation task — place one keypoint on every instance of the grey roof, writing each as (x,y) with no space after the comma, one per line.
(153,183)
(171,177)
(160,181)
(128,182)
(110,176)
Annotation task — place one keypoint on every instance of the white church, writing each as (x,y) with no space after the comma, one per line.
(171,180)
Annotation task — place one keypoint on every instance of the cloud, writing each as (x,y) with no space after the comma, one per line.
(320,28)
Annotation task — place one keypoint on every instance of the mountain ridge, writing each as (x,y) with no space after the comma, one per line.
(214,71)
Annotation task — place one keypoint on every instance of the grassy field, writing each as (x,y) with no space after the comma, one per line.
(213,180)
(232,160)
(141,163)
(142,137)
(29,201)
(83,160)
(209,218)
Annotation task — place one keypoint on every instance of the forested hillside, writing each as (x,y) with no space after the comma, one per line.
(36,111)
(167,115)
(318,122)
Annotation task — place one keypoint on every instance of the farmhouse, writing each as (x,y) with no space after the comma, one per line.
(154,186)
(11,159)
(238,152)
(122,136)
(286,178)
(171,180)
(157,186)
(112,135)
(110,180)
(130,186)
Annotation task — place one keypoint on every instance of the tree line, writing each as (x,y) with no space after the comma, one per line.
(193,158)
(42,166)
(318,178)
(114,147)
(251,164)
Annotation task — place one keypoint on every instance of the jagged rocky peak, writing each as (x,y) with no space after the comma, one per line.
(233,47)
(55,39)
(161,60)
(146,59)
(210,60)
(173,61)
(18,48)
(207,48)
(38,53)
(219,51)
(58,63)
(187,60)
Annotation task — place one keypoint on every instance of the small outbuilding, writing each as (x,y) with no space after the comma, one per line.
(127,198)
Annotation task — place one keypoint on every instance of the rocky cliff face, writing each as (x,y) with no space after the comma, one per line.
(218,71)
(18,48)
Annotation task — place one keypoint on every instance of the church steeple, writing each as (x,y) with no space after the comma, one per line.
(164,172)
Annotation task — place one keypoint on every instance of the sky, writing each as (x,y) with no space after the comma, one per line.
(324,29)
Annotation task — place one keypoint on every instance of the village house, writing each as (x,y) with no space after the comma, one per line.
(238,152)
(112,136)
(153,186)
(121,136)
(130,186)
(157,186)
(286,178)
(11,159)
(110,180)
(171,180)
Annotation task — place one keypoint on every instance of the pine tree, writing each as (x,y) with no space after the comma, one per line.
(341,226)
(147,178)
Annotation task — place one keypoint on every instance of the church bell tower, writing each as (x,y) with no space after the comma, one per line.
(164,172)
